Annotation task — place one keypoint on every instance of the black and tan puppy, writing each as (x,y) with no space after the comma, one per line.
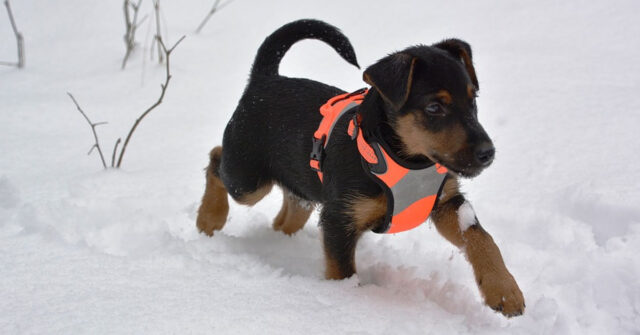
(422,102)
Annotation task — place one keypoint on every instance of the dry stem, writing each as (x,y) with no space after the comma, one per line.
(131,25)
(19,38)
(214,9)
(167,53)
(93,129)
(156,8)
(115,149)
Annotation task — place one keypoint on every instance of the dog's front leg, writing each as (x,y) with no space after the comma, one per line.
(455,220)
(340,234)
(343,222)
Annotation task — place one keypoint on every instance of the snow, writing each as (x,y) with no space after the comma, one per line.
(88,251)
(466,216)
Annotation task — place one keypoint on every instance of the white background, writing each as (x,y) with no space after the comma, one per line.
(88,251)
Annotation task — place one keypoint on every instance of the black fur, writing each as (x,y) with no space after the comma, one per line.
(277,44)
(268,139)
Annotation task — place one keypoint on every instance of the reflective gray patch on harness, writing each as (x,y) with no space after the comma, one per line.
(415,185)
(412,189)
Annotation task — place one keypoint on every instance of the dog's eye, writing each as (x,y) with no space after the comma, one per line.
(434,109)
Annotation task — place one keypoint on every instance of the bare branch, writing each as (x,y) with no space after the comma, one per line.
(156,8)
(130,25)
(115,149)
(216,7)
(167,53)
(91,149)
(19,38)
(173,47)
(93,129)
(127,34)
(144,18)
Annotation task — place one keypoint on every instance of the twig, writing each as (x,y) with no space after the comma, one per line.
(127,35)
(216,7)
(156,8)
(167,53)
(146,46)
(19,38)
(93,129)
(131,25)
(115,149)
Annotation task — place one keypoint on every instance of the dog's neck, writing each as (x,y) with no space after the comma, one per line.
(375,113)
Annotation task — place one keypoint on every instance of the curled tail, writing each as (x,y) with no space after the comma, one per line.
(276,45)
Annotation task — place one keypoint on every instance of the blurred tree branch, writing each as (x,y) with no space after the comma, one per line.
(216,7)
(156,8)
(131,25)
(19,38)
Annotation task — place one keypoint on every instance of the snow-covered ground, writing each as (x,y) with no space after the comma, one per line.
(88,251)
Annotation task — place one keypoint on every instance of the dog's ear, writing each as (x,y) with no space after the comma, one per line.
(392,77)
(460,50)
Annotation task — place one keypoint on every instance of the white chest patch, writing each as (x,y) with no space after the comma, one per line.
(466,216)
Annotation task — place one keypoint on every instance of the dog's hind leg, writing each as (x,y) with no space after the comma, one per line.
(242,183)
(214,209)
(293,215)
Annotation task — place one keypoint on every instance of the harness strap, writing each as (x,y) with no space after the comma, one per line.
(411,194)
(331,112)
(411,189)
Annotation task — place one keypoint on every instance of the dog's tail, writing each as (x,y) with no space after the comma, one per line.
(274,47)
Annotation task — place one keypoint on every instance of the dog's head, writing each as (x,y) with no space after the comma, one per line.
(429,95)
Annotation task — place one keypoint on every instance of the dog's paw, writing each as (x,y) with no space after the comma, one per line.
(208,223)
(502,294)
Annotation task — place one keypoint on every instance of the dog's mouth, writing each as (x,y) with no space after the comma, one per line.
(458,164)
(457,170)
(465,172)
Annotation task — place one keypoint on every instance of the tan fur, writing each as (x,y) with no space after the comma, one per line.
(332,271)
(366,211)
(471,91)
(418,141)
(253,198)
(497,285)
(409,82)
(214,209)
(450,189)
(332,267)
(292,215)
(468,64)
(445,96)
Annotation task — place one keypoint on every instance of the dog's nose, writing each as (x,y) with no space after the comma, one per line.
(484,153)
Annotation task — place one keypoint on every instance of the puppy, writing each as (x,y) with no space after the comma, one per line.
(422,104)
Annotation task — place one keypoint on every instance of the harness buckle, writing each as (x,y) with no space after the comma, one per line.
(353,127)
(317,153)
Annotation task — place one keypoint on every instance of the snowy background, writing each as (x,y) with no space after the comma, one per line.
(88,251)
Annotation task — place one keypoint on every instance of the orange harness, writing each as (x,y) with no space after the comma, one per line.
(411,189)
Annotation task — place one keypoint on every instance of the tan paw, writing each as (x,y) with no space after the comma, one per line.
(501,293)
(207,223)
